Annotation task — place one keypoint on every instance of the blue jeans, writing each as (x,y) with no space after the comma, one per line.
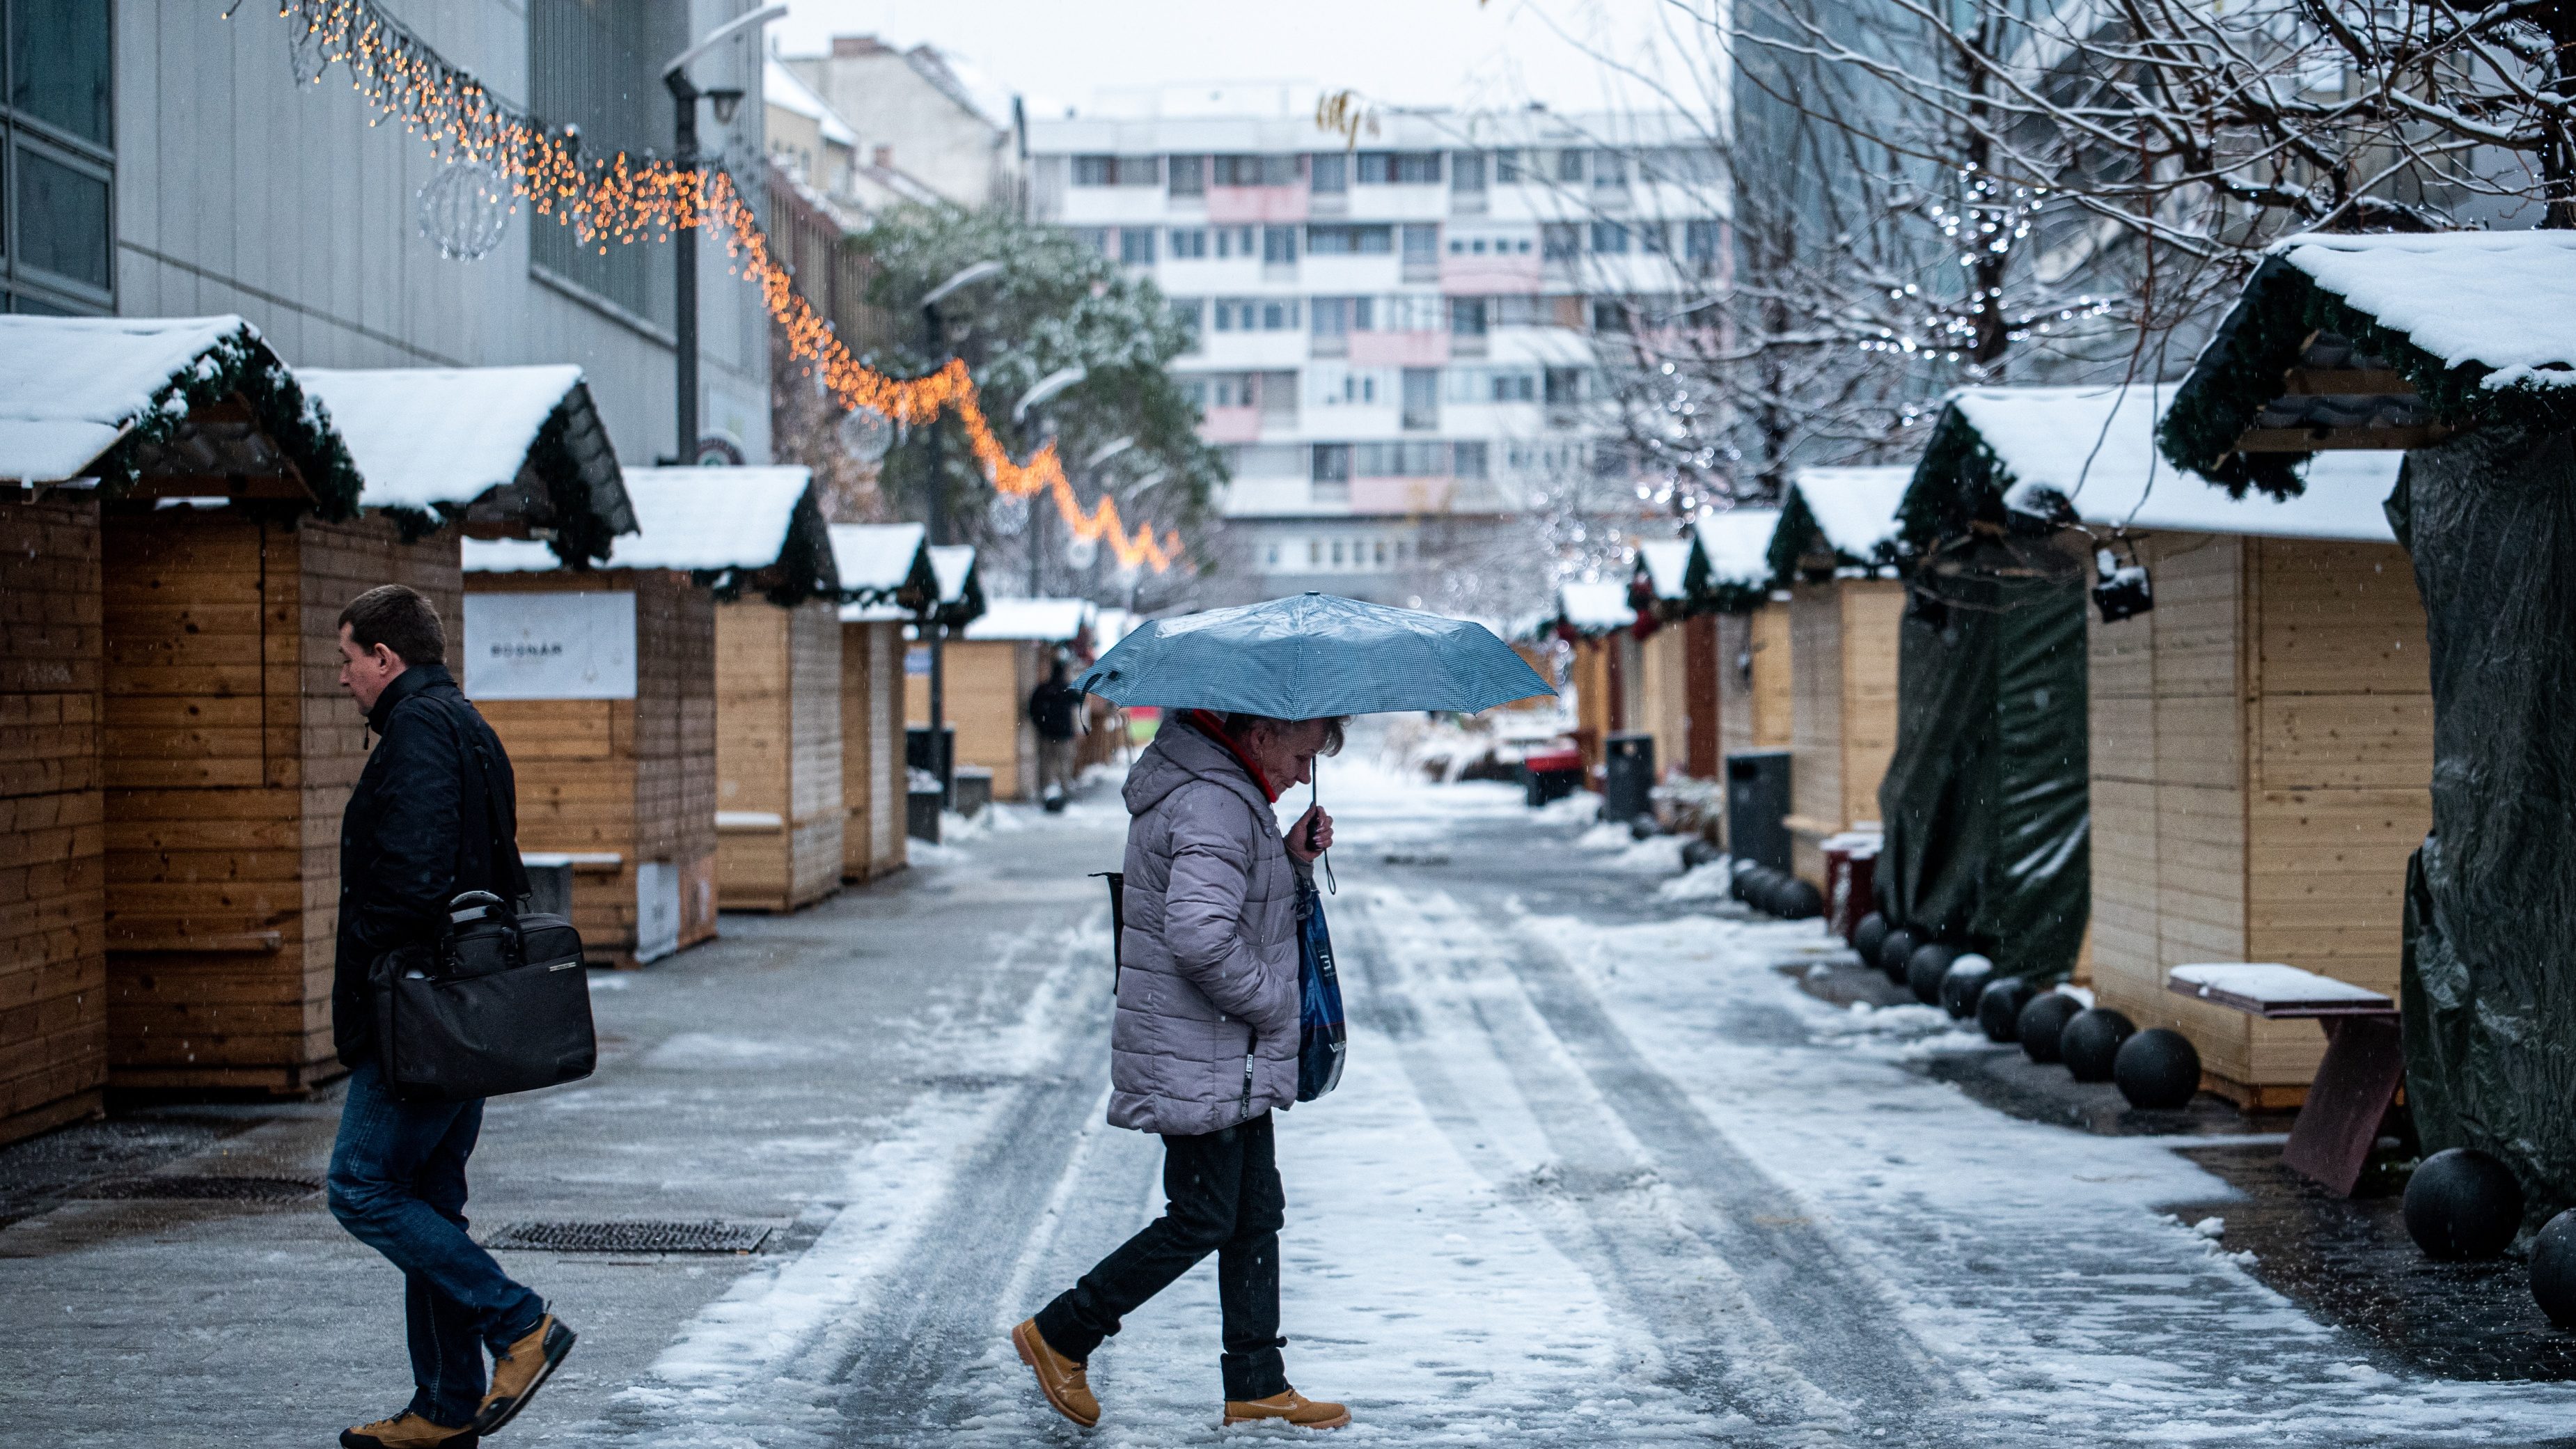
(398,1185)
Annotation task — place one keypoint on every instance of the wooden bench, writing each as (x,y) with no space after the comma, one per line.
(2356,1083)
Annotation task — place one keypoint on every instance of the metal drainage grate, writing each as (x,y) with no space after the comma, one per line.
(202,1187)
(646,1237)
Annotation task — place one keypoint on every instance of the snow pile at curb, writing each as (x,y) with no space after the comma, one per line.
(1709,882)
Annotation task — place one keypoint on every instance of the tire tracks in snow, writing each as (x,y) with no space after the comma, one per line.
(1770,1322)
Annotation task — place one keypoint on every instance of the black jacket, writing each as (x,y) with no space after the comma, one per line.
(1053,708)
(416,834)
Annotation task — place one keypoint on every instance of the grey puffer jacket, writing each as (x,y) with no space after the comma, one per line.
(1206,1034)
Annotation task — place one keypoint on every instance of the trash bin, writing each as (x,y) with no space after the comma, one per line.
(1551,774)
(1851,866)
(1757,807)
(917,755)
(970,788)
(1628,781)
(921,802)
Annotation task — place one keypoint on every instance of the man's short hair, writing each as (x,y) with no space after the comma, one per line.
(401,619)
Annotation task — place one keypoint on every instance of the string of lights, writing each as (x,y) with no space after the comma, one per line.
(616,201)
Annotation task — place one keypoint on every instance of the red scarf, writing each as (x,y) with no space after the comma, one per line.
(1214,725)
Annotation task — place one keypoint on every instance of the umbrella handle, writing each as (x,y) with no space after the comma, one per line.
(1314,801)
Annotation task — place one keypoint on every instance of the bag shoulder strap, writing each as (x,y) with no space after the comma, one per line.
(508,874)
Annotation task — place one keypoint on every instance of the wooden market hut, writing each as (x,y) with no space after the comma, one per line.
(1593,619)
(1676,658)
(994,664)
(756,536)
(1837,543)
(886,579)
(234,525)
(1749,631)
(2455,347)
(960,602)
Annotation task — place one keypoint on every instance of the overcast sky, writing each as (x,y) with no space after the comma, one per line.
(1403,52)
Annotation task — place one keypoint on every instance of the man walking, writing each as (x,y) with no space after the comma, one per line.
(432,817)
(1204,1046)
(1056,709)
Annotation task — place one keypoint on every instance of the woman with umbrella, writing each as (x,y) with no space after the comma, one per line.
(1205,1044)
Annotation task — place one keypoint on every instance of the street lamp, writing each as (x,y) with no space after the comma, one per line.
(1046,388)
(684,247)
(935,627)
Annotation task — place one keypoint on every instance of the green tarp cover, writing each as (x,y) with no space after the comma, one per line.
(2489,982)
(1986,803)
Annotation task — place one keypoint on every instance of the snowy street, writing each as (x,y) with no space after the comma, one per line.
(1598,1171)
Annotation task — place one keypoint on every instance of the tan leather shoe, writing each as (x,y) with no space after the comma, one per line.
(1291,1407)
(520,1370)
(1059,1378)
(408,1431)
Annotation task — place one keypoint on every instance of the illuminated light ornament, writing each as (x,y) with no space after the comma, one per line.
(866,436)
(621,201)
(1010,511)
(465,211)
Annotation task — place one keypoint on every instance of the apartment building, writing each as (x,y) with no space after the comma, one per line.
(928,127)
(1399,340)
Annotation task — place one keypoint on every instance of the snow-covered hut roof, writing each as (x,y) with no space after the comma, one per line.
(508,556)
(1046,621)
(1665,563)
(1594,608)
(779,87)
(710,518)
(2089,453)
(1847,513)
(1737,546)
(2379,341)
(125,398)
(878,561)
(961,592)
(452,439)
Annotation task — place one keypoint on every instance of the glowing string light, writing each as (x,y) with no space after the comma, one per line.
(619,201)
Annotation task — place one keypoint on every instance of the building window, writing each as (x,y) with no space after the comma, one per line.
(1332,463)
(1514,387)
(1421,399)
(1610,238)
(1609,316)
(1413,312)
(1188,176)
(1518,311)
(1279,245)
(1564,386)
(599,67)
(1466,316)
(1256,170)
(1234,241)
(1314,553)
(1699,240)
(1560,241)
(1189,243)
(1094,170)
(1191,313)
(1094,237)
(1609,168)
(1349,241)
(1136,246)
(1337,316)
(1569,165)
(1423,459)
(1337,553)
(1273,556)
(58,159)
(1467,460)
(1467,171)
(1329,171)
(1398,168)
(1507,172)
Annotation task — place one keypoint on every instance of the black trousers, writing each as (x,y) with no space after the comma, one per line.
(1222,1196)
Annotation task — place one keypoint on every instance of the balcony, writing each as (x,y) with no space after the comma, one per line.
(1399,349)
(1239,205)
(1230,425)
(1400,495)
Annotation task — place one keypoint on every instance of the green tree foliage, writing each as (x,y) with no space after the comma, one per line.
(1056,304)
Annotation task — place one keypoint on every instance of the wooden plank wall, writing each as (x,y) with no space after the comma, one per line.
(1872,610)
(53,903)
(989,683)
(2262,746)
(1592,702)
(872,773)
(1816,637)
(230,750)
(1700,721)
(635,778)
(1663,697)
(778,753)
(1734,686)
(1774,688)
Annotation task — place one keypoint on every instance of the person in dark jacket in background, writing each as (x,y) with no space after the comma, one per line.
(1056,709)
(432,817)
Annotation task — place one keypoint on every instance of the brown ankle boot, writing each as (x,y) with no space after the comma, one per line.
(1291,1407)
(1059,1378)
(520,1370)
(408,1431)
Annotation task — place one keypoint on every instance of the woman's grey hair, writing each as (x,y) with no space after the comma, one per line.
(1241,724)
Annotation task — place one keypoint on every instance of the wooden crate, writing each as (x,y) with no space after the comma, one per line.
(988,688)
(53,904)
(872,763)
(230,749)
(2262,751)
(1842,650)
(779,805)
(628,783)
